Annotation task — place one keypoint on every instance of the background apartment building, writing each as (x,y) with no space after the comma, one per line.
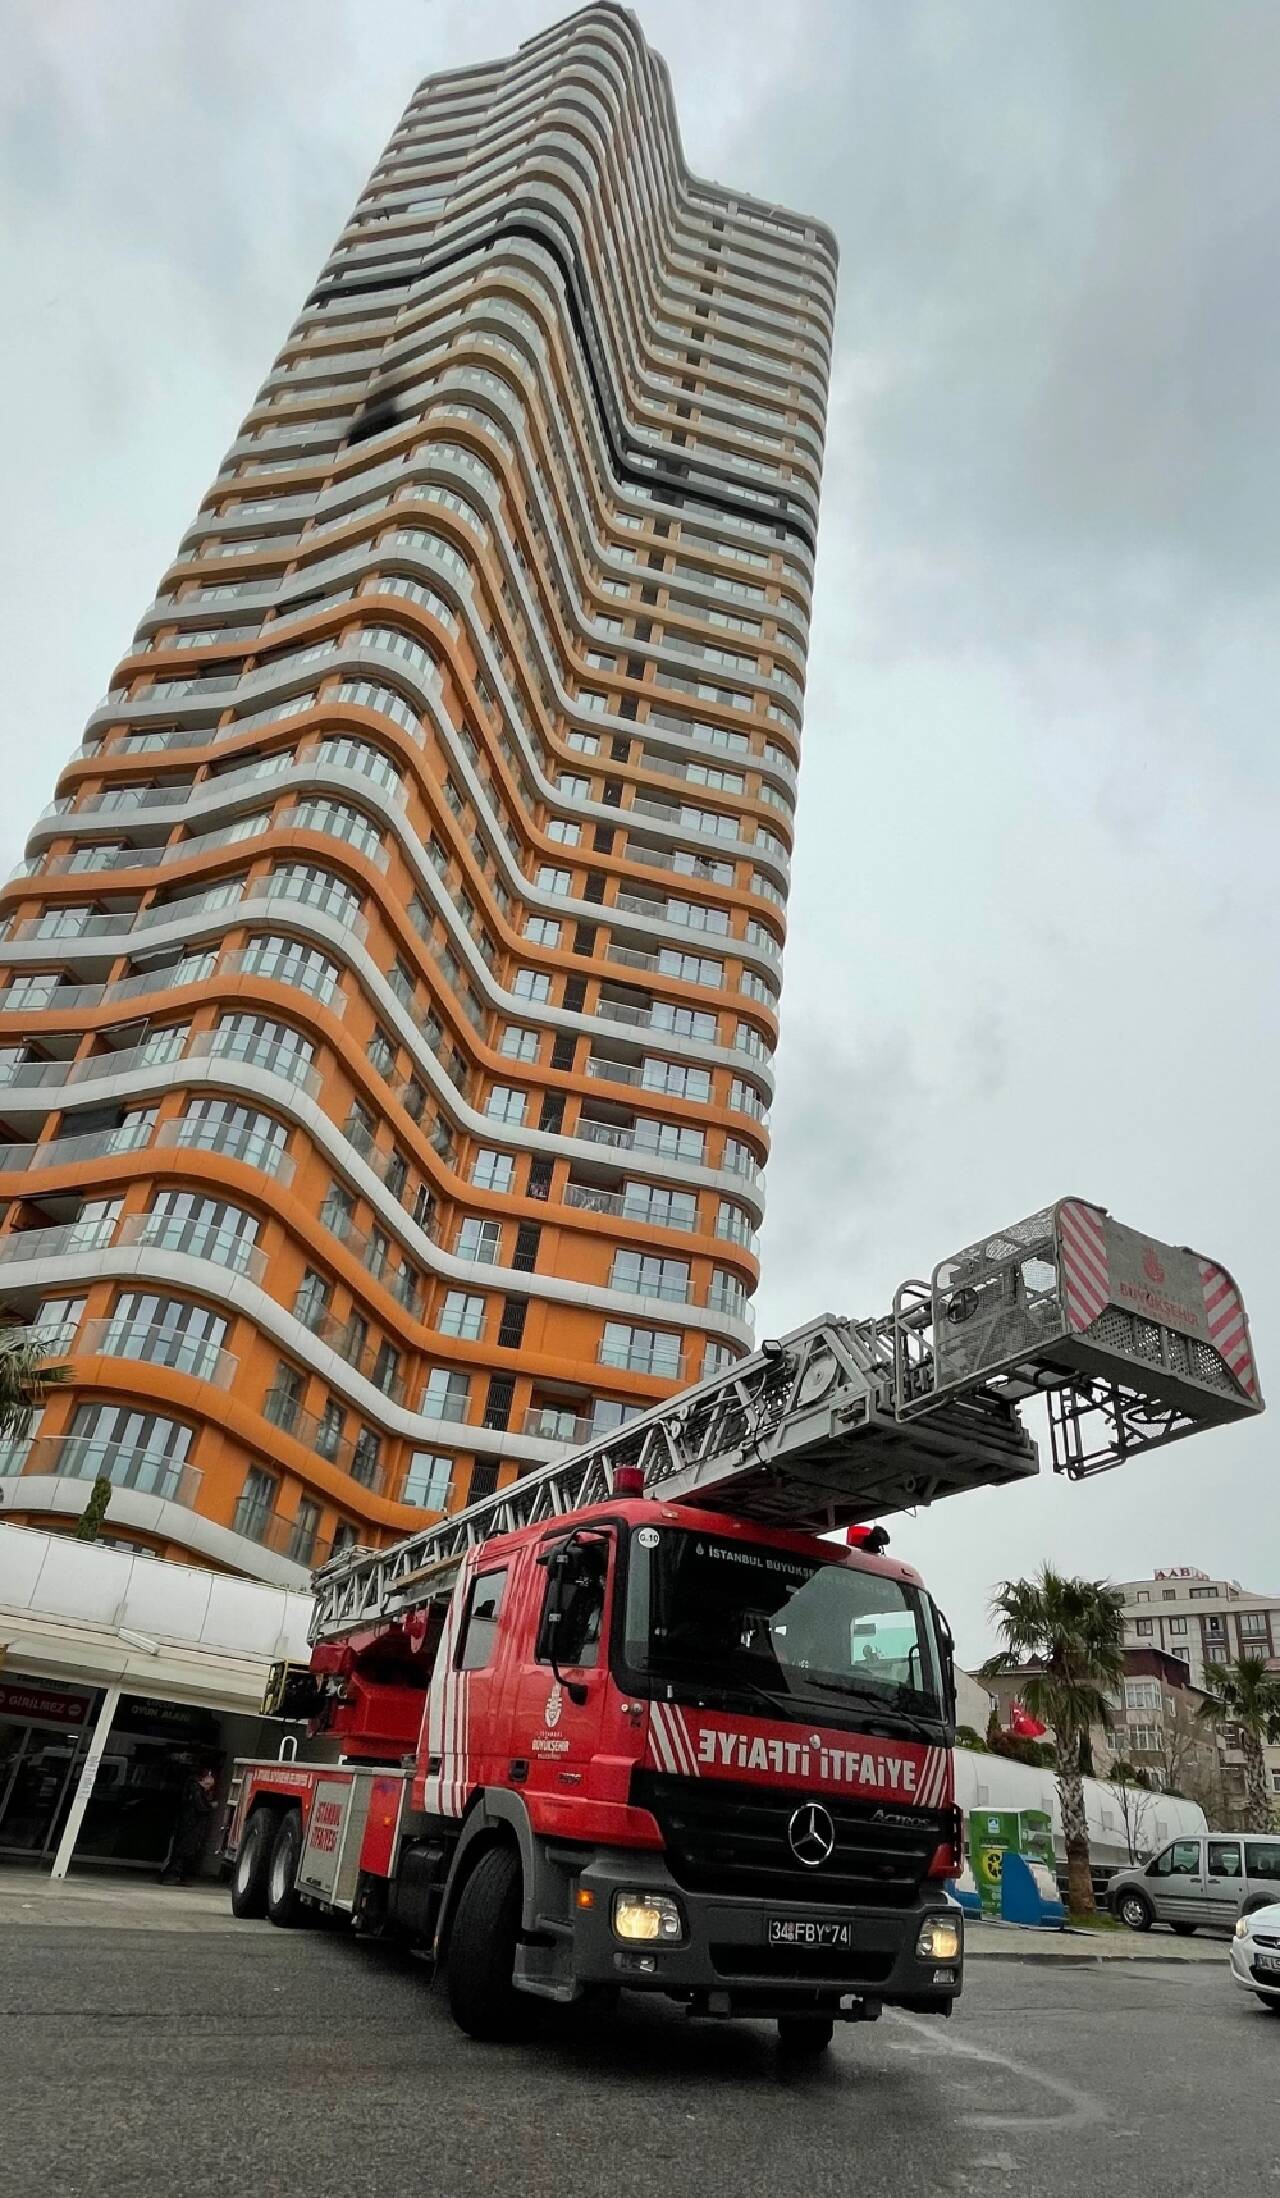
(392,985)
(1203,1622)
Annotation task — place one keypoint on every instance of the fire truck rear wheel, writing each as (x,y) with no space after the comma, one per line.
(284,1903)
(803,2037)
(249,1878)
(482,1949)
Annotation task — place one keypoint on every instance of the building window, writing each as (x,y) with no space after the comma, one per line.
(329,1431)
(445,1395)
(283,1399)
(165,1332)
(365,1457)
(677,1078)
(1144,1739)
(660,1207)
(270,954)
(312,1301)
(492,1171)
(1143,1626)
(640,1350)
(256,1504)
(1142,1694)
(1253,1624)
(559,883)
(261,1043)
(380,1053)
(426,1482)
(540,931)
(462,1314)
(204,1228)
(479,1241)
(131,1449)
(643,1274)
(386,1369)
(519,1044)
(1177,1625)
(306,1526)
(338,1210)
(533,984)
(505,1104)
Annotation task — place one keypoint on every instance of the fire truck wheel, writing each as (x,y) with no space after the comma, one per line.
(249,1878)
(284,1903)
(482,1949)
(803,2037)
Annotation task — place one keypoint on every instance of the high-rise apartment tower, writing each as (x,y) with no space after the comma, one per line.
(393,984)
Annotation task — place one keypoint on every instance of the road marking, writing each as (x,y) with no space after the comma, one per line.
(1082,2109)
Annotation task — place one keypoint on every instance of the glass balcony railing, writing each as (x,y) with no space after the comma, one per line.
(63,1152)
(181,1350)
(85,1458)
(549,1423)
(73,1237)
(222,1247)
(325,1437)
(257,1148)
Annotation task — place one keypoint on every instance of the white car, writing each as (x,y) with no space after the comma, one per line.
(1255,1955)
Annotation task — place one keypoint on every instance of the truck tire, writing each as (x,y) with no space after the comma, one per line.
(284,1902)
(1135,1911)
(249,1877)
(483,1999)
(804,2037)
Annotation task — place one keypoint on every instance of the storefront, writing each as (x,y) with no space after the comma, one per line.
(121,1678)
(151,1751)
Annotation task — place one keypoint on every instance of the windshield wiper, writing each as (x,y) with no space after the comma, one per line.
(732,1685)
(852,1692)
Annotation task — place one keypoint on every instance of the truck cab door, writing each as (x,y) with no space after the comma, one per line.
(562,1721)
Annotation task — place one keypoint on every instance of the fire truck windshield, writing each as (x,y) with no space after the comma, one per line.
(745,1619)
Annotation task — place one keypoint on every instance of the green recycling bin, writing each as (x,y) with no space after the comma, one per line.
(994,1833)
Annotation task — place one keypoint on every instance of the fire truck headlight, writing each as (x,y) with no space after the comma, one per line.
(647,1916)
(939,1939)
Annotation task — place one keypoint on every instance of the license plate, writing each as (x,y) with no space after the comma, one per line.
(1266,1961)
(809,1936)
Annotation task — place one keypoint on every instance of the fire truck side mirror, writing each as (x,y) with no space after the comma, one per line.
(567,1567)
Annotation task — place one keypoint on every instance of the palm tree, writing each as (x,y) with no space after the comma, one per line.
(1072,1632)
(24,1379)
(1248,1695)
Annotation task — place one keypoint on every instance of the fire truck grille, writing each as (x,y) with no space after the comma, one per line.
(729,1838)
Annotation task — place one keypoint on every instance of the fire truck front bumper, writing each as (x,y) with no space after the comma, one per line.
(635,1926)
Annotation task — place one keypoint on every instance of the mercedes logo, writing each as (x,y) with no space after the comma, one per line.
(812,1835)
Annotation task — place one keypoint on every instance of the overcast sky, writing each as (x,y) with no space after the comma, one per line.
(1033,928)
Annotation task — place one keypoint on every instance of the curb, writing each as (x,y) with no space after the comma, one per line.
(1083,1961)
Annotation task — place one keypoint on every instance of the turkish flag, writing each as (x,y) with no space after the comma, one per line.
(1024,1726)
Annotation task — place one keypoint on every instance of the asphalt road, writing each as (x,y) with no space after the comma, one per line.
(141,2064)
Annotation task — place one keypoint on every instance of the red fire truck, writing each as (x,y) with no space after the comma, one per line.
(635,1723)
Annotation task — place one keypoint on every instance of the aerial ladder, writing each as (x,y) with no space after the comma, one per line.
(1130,1342)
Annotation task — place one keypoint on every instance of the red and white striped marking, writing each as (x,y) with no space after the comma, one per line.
(933,1789)
(669,1738)
(1228,1326)
(445,1790)
(1086,1282)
